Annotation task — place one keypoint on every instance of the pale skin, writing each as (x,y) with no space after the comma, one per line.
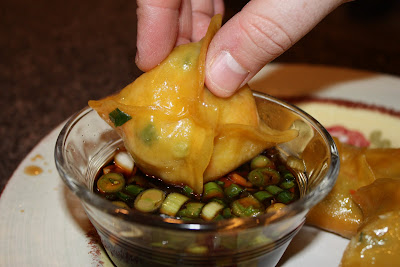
(255,36)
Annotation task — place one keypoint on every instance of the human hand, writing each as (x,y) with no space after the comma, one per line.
(162,25)
(260,32)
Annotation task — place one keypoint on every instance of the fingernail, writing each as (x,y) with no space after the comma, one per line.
(226,74)
(137,57)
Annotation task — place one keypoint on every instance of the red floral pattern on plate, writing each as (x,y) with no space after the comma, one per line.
(347,136)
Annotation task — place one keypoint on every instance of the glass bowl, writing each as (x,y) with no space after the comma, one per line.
(86,143)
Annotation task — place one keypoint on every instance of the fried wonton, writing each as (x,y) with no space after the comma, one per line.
(177,130)
(377,242)
(338,212)
(384,162)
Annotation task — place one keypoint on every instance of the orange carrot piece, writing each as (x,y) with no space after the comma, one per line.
(237,179)
(227,182)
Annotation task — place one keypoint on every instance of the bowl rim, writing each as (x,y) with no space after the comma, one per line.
(310,199)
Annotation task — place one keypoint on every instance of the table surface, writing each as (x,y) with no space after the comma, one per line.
(57,55)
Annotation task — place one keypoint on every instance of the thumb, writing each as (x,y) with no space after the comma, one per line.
(263,30)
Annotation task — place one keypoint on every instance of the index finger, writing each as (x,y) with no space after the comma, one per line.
(158,24)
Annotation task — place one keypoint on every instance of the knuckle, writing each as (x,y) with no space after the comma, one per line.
(265,35)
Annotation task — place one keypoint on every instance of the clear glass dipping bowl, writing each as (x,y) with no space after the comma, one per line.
(132,238)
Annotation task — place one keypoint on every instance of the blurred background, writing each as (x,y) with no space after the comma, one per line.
(56,55)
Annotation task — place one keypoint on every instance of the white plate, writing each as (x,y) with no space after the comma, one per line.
(43,224)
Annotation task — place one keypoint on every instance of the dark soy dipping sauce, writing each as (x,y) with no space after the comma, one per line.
(248,191)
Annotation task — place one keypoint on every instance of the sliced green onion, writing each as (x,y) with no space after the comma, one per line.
(210,210)
(191,210)
(133,190)
(263,177)
(212,190)
(287,184)
(111,182)
(261,161)
(124,197)
(173,203)
(247,207)
(233,191)
(273,189)
(287,175)
(119,117)
(262,195)
(187,190)
(284,197)
(149,200)
(220,183)
(219,200)
(227,213)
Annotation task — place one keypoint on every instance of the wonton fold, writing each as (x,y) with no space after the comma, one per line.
(180,132)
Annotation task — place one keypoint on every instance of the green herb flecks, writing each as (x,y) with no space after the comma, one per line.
(119,117)
(148,134)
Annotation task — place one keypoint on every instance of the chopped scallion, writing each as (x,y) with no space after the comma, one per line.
(133,190)
(119,117)
(261,161)
(173,203)
(233,191)
(247,207)
(210,210)
(263,176)
(124,197)
(262,195)
(212,190)
(187,190)
(111,182)
(287,184)
(284,197)
(220,183)
(273,189)
(227,213)
(149,200)
(192,210)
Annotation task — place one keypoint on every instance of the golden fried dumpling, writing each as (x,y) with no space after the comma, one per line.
(384,162)
(337,212)
(381,196)
(377,242)
(175,129)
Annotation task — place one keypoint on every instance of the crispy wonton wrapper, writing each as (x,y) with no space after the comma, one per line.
(377,242)
(178,130)
(338,212)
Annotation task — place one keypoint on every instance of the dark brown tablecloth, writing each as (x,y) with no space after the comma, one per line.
(56,55)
